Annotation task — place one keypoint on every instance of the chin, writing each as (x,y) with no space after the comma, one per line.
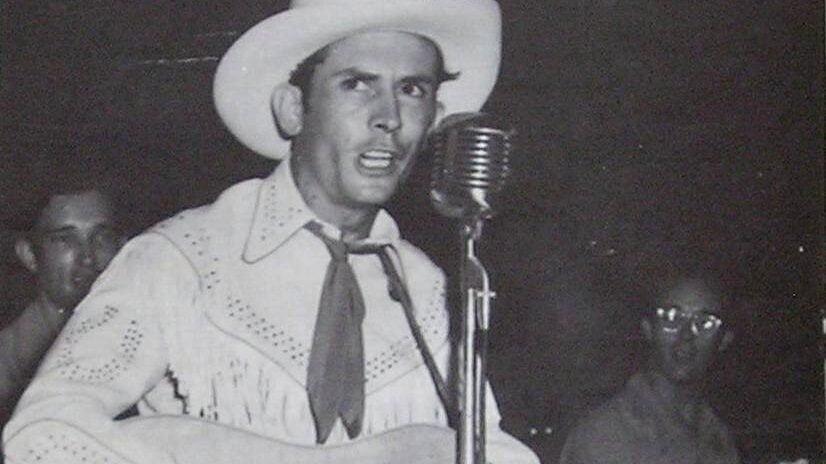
(373,203)
(375,196)
(683,376)
(68,303)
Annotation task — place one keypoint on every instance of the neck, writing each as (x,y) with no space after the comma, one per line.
(354,221)
(354,226)
(47,304)
(53,313)
(685,397)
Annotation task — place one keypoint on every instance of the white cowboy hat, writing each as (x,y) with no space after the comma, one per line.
(468,32)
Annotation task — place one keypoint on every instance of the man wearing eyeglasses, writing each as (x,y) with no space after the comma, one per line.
(661,416)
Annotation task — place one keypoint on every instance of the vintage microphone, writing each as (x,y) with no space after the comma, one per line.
(470,167)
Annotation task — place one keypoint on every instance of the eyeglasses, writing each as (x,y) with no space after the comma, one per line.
(672,319)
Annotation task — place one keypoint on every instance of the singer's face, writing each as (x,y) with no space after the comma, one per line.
(371,103)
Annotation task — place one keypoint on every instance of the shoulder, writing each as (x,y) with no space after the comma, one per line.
(601,434)
(235,201)
(416,260)
(606,420)
(227,218)
(22,344)
(180,238)
(426,285)
(426,280)
(720,435)
(25,324)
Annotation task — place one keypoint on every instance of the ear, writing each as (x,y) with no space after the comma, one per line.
(647,330)
(728,338)
(440,114)
(24,249)
(288,109)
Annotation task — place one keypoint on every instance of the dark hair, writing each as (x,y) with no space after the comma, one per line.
(692,264)
(302,75)
(72,181)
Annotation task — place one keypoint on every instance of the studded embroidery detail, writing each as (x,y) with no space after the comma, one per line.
(67,446)
(169,222)
(267,332)
(274,217)
(384,361)
(235,315)
(198,245)
(257,329)
(108,370)
(432,323)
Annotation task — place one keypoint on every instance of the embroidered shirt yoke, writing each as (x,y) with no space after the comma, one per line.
(210,314)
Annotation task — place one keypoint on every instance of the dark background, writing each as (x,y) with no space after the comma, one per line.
(649,132)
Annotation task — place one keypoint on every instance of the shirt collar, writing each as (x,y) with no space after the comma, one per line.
(280,212)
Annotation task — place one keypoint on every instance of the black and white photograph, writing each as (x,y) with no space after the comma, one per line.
(412,231)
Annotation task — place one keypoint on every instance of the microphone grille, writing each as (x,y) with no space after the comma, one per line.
(470,164)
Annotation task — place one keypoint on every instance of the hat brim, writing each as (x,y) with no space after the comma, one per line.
(468,33)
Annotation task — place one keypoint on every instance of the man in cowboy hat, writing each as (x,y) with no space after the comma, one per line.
(290,307)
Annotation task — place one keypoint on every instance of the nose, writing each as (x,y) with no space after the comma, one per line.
(688,330)
(87,259)
(386,115)
(86,254)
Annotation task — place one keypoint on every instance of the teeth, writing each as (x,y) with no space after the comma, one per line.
(376,159)
(378,154)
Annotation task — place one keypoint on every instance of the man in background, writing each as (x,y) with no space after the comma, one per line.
(661,415)
(66,239)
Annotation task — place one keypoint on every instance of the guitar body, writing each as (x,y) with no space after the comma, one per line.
(194,441)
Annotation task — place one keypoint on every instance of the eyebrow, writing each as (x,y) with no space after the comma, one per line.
(370,77)
(58,230)
(356,72)
(70,228)
(420,79)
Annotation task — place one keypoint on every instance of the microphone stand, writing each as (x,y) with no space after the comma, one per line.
(476,299)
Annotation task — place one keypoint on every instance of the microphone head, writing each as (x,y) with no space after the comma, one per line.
(470,165)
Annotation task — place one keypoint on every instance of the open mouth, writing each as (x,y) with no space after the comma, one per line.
(376,159)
